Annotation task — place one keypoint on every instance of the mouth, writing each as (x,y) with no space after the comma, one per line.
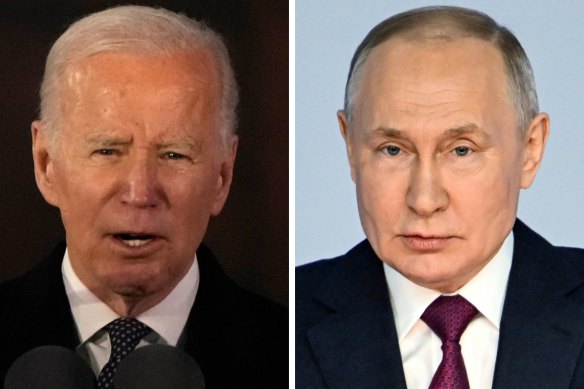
(131,239)
(419,242)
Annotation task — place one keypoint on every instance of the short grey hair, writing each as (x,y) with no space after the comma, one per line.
(142,31)
(449,23)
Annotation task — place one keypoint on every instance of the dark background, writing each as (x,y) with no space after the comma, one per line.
(250,237)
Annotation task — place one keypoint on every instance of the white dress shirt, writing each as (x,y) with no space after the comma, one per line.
(166,319)
(421,349)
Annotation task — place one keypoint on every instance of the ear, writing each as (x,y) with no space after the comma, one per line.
(43,162)
(225,176)
(344,128)
(534,141)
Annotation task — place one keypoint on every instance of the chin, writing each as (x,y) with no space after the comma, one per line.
(137,281)
(431,272)
(443,284)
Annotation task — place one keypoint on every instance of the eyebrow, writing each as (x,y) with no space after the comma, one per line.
(181,145)
(105,140)
(109,141)
(387,132)
(467,128)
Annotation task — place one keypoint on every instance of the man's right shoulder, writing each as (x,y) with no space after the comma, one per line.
(311,275)
(314,272)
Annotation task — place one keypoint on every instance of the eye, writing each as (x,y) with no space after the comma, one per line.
(106,152)
(462,151)
(392,150)
(174,155)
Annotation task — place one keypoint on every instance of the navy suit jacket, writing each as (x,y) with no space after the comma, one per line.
(346,336)
(239,339)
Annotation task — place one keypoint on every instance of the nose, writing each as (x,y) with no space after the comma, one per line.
(426,194)
(142,188)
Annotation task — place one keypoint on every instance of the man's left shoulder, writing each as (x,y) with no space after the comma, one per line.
(252,328)
(529,241)
(538,263)
(230,299)
(259,310)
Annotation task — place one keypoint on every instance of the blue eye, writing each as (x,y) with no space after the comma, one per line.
(392,150)
(462,151)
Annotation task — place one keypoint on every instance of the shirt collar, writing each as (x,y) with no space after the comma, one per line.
(409,300)
(167,318)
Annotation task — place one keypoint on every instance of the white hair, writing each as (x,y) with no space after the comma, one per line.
(138,30)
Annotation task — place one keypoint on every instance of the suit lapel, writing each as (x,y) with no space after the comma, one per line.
(541,333)
(204,320)
(213,332)
(356,345)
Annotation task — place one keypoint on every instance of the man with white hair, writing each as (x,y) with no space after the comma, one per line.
(135,146)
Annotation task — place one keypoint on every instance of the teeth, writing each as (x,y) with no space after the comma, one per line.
(136,242)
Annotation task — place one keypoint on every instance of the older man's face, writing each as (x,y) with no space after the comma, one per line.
(139,168)
(437,157)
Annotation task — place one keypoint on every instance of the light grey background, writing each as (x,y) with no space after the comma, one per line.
(327,33)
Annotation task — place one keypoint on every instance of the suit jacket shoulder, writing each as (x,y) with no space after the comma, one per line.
(345,332)
(233,334)
(240,339)
(34,311)
(541,337)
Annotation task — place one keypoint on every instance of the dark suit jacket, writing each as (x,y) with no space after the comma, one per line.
(239,339)
(346,336)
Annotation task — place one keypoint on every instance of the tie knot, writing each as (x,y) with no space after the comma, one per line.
(448,317)
(126,331)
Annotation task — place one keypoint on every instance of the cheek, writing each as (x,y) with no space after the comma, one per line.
(78,189)
(486,202)
(191,196)
(381,197)
(497,186)
(194,186)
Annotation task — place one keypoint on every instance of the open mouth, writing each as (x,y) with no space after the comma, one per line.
(134,240)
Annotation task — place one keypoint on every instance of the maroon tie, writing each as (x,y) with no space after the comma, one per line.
(448,317)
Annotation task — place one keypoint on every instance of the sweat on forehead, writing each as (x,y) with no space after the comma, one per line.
(190,70)
(142,31)
(116,90)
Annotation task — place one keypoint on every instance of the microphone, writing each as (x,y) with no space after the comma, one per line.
(49,367)
(158,367)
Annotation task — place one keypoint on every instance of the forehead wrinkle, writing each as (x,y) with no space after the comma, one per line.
(442,91)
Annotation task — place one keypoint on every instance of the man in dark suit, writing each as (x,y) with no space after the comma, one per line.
(449,290)
(135,146)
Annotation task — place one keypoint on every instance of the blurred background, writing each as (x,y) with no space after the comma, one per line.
(250,237)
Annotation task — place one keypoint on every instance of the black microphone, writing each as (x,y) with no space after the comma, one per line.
(49,367)
(158,367)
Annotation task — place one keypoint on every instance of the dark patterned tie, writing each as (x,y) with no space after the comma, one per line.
(125,333)
(448,317)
